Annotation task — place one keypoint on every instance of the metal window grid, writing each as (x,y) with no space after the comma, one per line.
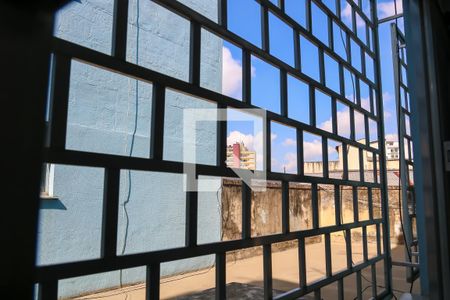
(405,142)
(64,52)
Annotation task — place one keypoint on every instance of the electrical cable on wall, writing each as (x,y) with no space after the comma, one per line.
(133,136)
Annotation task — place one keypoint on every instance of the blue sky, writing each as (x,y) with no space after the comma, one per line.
(244,19)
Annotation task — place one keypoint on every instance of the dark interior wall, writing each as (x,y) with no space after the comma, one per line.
(428,75)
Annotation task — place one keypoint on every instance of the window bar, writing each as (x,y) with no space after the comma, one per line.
(322,66)
(370,200)
(152,282)
(300,158)
(48,290)
(325,157)
(267,266)
(308,15)
(372,108)
(375,168)
(378,239)
(352,124)
(285,206)
(110,212)
(328,254)
(119,31)
(194,56)
(381,145)
(60,101)
(221,290)
(345,160)
(312,106)
(355,204)
(341,79)
(221,135)
(359,285)
(223,13)
(281,5)
(297,57)
(317,295)
(363,62)
(191,212)
(315,205)
(246,76)
(361,165)
(302,262)
(348,248)
(334,115)
(330,33)
(265,29)
(337,204)
(267,165)
(366,130)
(246,211)
(341,289)
(283,93)
(364,237)
(358,91)
(157,128)
(374,280)
(354,26)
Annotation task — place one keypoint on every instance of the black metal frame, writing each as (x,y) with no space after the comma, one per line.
(406,161)
(64,52)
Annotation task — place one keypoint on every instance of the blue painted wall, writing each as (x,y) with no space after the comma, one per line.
(102,110)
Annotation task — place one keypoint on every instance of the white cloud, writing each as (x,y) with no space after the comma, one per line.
(289,142)
(387,9)
(232,74)
(343,123)
(346,13)
(312,150)
(291,162)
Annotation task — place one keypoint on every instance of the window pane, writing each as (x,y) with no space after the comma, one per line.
(298,99)
(154,35)
(309,58)
(281,38)
(108,112)
(87,23)
(265,85)
(283,148)
(244,19)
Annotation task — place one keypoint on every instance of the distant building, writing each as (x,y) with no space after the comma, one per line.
(238,156)
(336,166)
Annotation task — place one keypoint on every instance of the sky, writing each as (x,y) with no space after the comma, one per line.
(244,20)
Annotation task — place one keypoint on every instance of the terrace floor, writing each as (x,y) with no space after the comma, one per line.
(245,277)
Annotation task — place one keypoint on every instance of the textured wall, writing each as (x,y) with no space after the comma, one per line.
(102,110)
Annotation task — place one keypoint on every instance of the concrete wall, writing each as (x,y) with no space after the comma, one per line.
(102,110)
(266,211)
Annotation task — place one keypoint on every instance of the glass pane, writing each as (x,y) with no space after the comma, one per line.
(283,148)
(145,223)
(158,39)
(265,85)
(87,23)
(298,99)
(281,38)
(69,227)
(244,19)
(108,112)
